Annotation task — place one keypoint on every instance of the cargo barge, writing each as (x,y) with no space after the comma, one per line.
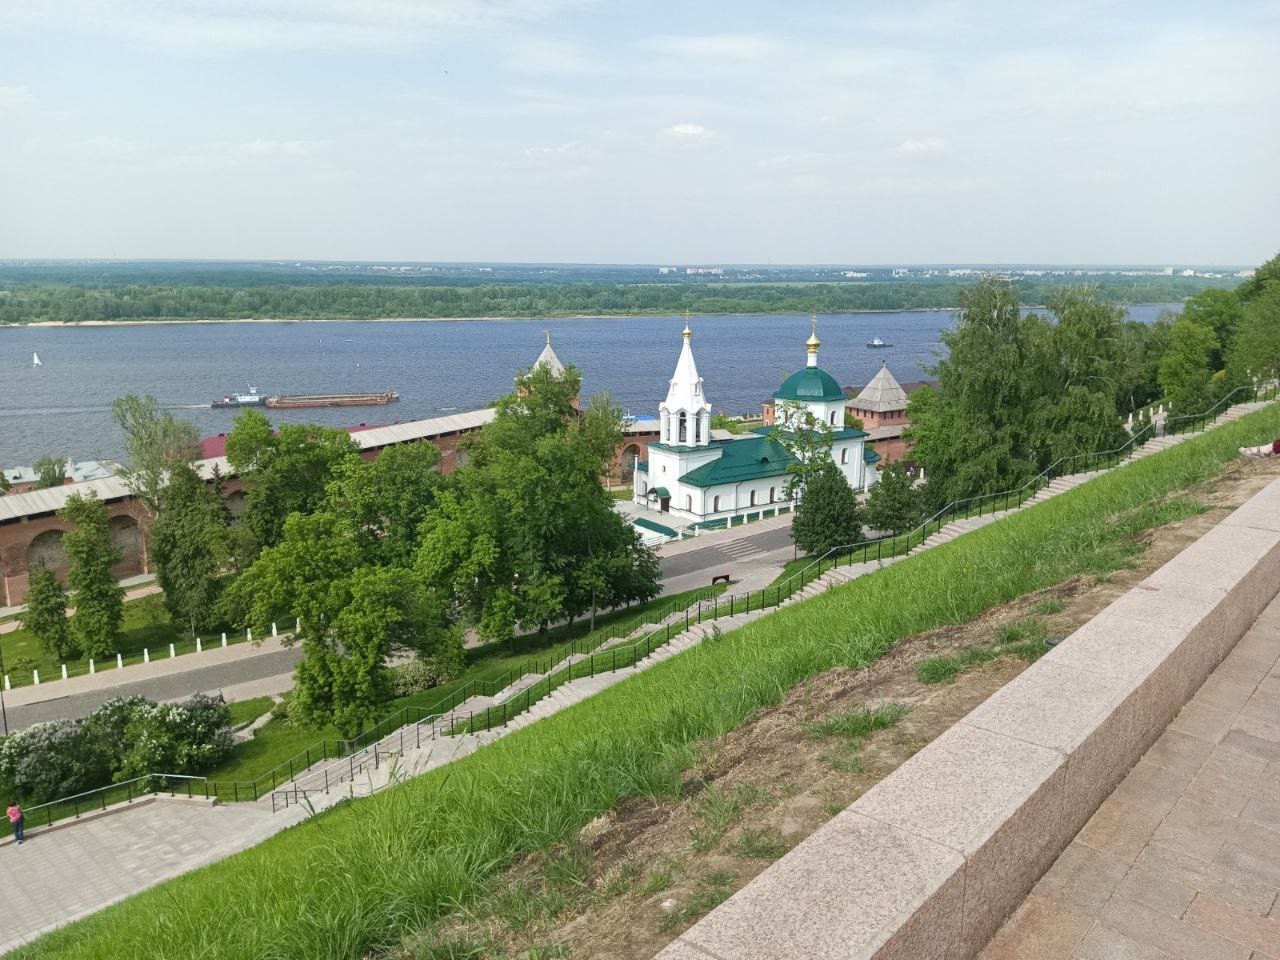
(302,401)
(334,400)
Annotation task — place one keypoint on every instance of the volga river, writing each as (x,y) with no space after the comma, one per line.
(438,367)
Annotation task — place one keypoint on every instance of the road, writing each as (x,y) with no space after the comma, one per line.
(756,555)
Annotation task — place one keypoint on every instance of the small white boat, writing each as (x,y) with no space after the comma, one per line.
(875,343)
(35,360)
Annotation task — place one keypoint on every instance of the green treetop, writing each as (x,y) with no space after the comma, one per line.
(99,600)
(46,615)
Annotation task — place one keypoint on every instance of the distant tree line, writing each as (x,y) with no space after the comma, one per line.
(362,301)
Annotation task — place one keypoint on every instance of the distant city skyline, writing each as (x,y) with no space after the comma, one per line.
(569,131)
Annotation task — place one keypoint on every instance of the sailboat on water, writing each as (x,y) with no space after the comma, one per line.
(35,360)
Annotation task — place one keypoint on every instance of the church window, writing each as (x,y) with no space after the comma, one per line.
(644,488)
(715,505)
(833,418)
(688,502)
(684,428)
(844,455)
(772,493)
(753,499)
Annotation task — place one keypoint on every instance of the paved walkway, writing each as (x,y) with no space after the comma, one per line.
(61,875)
(1182,862)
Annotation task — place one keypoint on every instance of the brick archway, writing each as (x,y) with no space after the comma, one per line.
(46,550)
(126,538)
(628,461)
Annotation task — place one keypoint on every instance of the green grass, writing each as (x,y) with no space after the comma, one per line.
(278,742)
(1024,639)
(764,844)
(860,723)
(1050,606)
(146,625)
(246,711)
(361,877)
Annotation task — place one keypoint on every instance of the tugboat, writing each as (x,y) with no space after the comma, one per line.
(875,343)
(250,399)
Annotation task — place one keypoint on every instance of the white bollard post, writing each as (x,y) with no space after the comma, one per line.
(199,648)
(297,624)
(171,652)
(146,655)
(224,638)
(273,629)
(248,634)
(119,661)
(91,669)
(35,677)
(6,682)
(64,671)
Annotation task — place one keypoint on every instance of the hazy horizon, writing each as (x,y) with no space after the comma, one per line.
(570,131)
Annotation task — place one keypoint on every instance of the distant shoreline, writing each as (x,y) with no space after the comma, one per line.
(576,316)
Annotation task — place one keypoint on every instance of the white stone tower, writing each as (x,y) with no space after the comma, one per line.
(686,414)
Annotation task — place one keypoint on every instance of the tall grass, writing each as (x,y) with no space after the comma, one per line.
(358,878)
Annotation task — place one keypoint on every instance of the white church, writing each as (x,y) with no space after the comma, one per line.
(715,478)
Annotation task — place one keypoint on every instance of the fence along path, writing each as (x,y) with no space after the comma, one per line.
(415,748)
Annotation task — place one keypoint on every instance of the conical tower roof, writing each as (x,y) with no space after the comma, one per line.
(882,393)
(547,358)
(685,392)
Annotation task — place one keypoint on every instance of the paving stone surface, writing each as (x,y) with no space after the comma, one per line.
(60,875)
(1182,861)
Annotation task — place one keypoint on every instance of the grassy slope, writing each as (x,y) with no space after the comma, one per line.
(276,742)
(362,875)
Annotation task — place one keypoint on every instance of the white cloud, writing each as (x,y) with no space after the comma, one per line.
(283,148)
(204,27)
(555,58)
(920,146)
(688,133)
(743,47)
(13,99)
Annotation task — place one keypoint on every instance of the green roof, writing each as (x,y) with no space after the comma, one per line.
(869,455)
(655,527)
(808,385)
(751,458)
(844,433)
(658,492)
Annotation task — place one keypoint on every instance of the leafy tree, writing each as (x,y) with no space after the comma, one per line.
(1018,392)
(807,439)
(721,421)
(99,600)
(526,535)
(828,514)
(190,547)
(1219,311)
(1186,369)
(1266,276)
(851,422)
(46,615)
(5,485)
(895,505)
(1255,353)
(157,442)
(287,470)
(343,571)
(185,738)
(51,471)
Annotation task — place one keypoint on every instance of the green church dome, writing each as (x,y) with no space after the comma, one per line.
(808,385)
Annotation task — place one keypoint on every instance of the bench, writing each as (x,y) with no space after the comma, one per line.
(719,578)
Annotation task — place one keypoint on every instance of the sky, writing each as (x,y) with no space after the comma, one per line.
(641,131)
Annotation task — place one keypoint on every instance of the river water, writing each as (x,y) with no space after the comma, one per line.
(438,367)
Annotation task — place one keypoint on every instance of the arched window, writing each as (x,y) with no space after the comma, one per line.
(833,418)
(688,502)
(753,498)
(772,493)
(844,455)
(684,428)
(644,488)
(715,505)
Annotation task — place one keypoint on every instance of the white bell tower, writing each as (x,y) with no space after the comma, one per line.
(686,414)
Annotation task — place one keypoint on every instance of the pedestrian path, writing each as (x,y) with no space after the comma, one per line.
(69,872)
(1183,859)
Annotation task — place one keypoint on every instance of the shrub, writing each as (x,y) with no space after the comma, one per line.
(417,676)
(50,760)
(176,738)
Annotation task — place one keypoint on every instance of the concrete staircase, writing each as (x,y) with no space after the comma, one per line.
(419,747)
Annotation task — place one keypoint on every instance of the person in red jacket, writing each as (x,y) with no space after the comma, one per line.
(15,820)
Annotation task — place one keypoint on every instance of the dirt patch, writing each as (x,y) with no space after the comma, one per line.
(641,874)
